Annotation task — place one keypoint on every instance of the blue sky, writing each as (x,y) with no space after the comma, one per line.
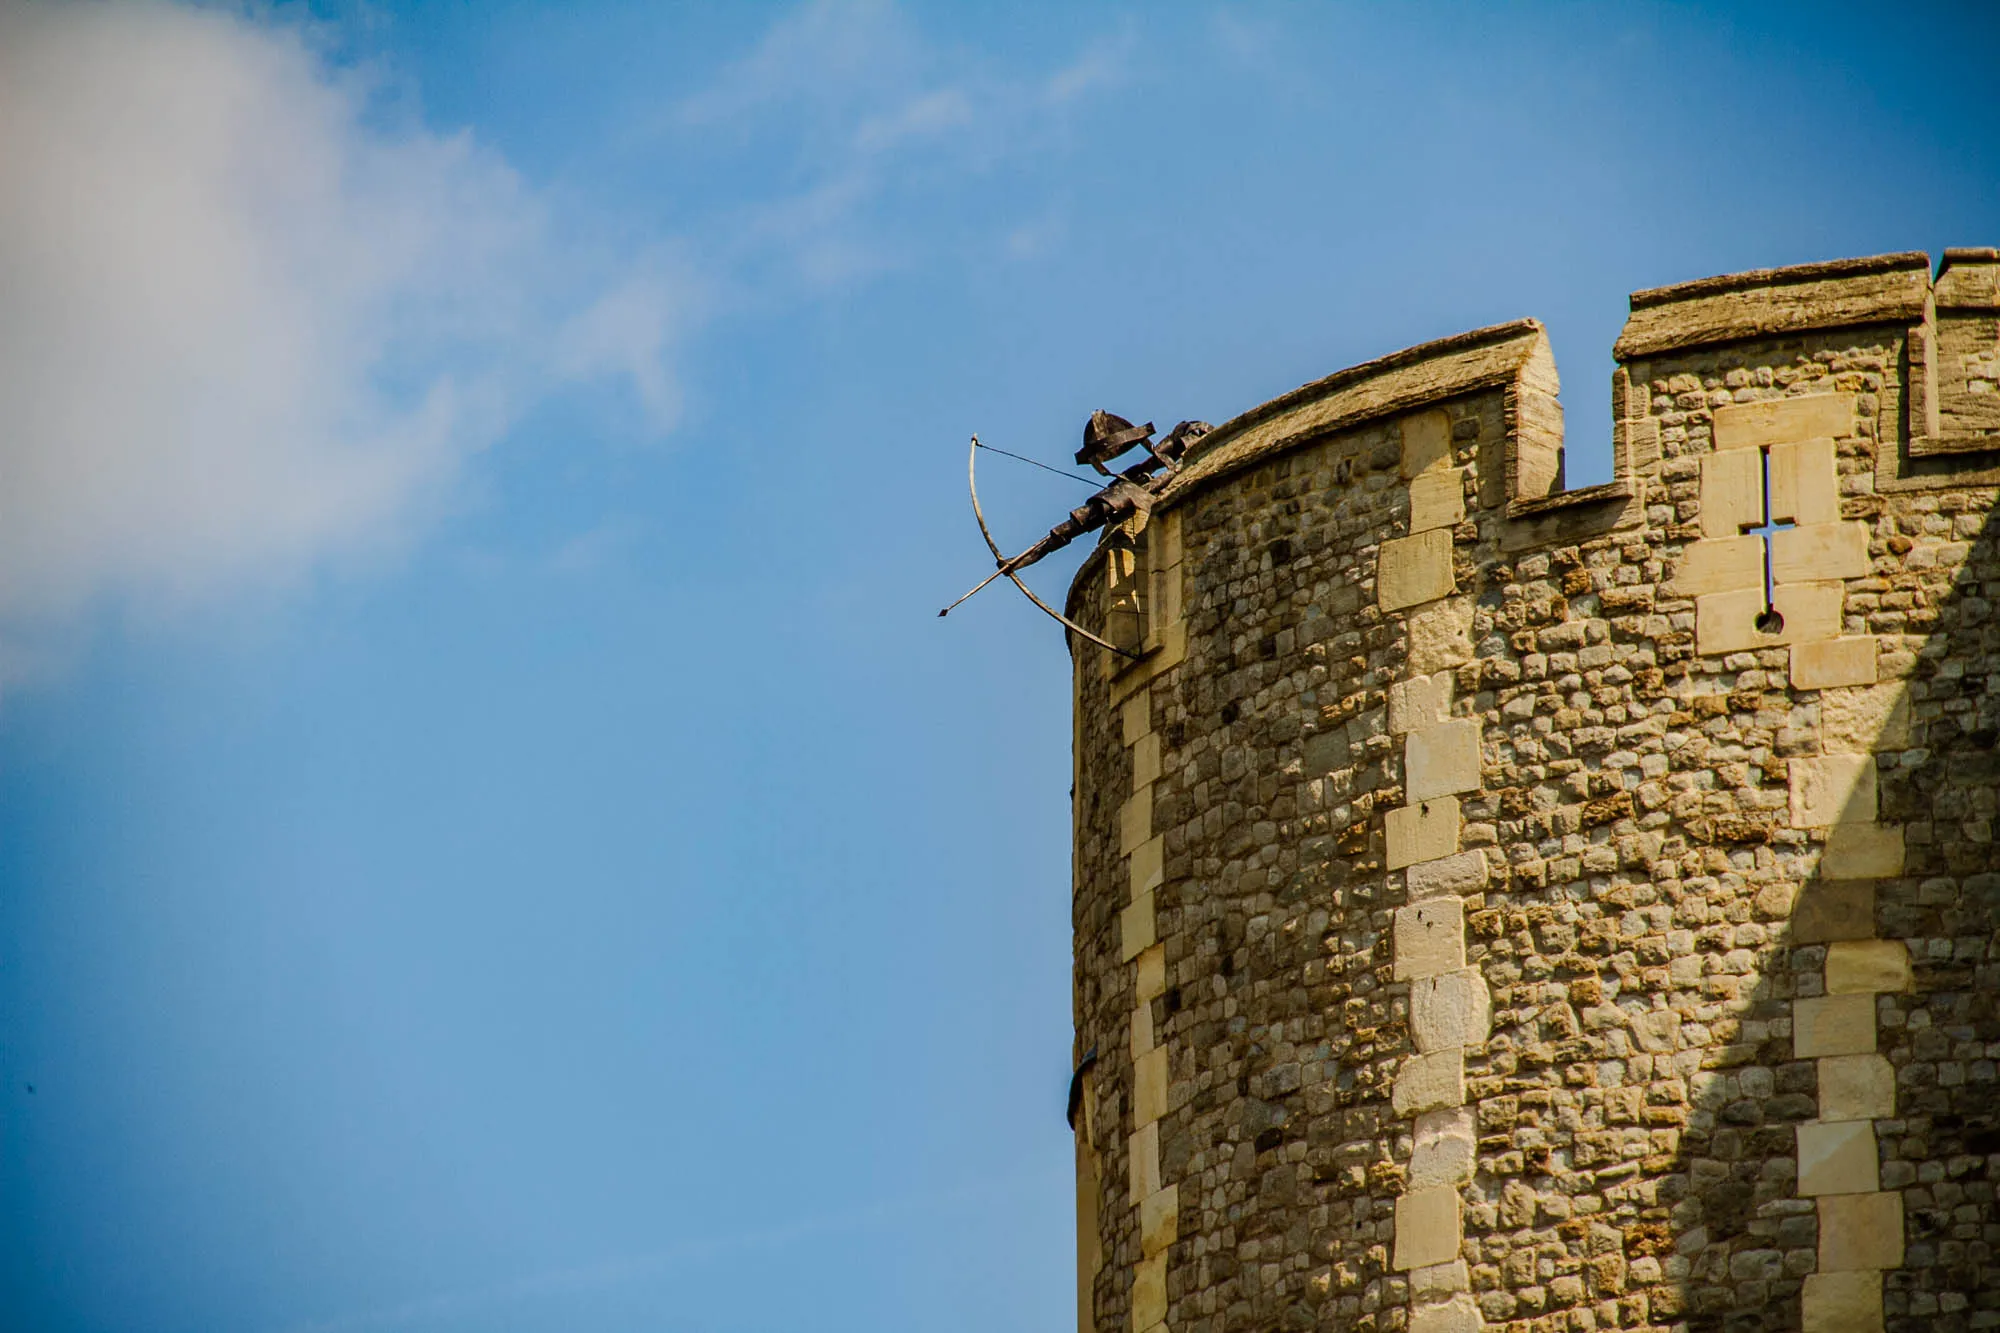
(493,835)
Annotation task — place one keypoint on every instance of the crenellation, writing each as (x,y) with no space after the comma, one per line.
(1487,915)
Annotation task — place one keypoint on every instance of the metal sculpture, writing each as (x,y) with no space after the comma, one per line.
(1132,490)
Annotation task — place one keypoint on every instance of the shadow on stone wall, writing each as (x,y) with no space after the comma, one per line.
(1741,1233)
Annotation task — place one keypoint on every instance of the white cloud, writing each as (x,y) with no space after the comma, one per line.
(248,321)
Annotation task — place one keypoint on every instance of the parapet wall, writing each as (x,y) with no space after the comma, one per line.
(1488,915)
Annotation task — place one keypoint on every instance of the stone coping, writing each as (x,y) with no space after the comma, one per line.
(1880,289)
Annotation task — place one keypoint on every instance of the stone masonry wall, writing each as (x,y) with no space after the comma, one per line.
(1486,915)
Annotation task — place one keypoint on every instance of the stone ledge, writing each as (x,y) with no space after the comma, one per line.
(1881,289)
(1605,492)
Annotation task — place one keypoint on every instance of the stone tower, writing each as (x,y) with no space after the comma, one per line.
(1509,907)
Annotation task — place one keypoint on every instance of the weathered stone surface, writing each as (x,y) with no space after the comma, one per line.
(1159,1220)
(1152,972)
(1422,832)
(1833,1025)
(1849,1302)
(1421,701)
(1833,662)
(1455,1009)
(1862,851)
(1426,438)
(1149,1086)
(1414,569)
(1726,622)
(1135,820)
(1720,564)
(1437,500)
(1439,1282)
(1149,866)
(1820,551)
(1858,1232)
(1440,635)
(1456,1314)
(1444,1148)
(1429,1081)
(1783,420)
(1451,875)
(1136,927)
(1442,760)
(1833,789)
(1142,1156)
(1834,909)
(1856,1087)
(1837,1158)
(1805,485)
(1732,493)
(1428,1228)
(1430,938)
(1865,719)
(1149,1292)
(1867,967)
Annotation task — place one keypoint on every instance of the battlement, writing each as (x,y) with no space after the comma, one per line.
(1504,906)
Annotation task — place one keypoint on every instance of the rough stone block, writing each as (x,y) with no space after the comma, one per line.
(1719,564)
(1149,1086)
(1856,1087)
(1726,622)
(1135,820)
(1805,483)
(1430,938)
(1832,789)
(1444,1148)
(1439,1282)
(1864,719)
(1429,1081)
(1777,420)
(1837,1158)
(1867,967)
(1426,442)
(1149,1292)
(1862,851)
(1834,909)
(1429,1228)
(1453,876)
(1159,1220)
(1437,500)
(1848,1302)
(1413,570)
(1820,551)
(1732,493)
(1136,716)
(1833,1025)
(1135,927)
(1858,1232)
(1834,662)
(1419,702)
(1149,865)
(1457,1314)
(1326,751)
(1421,832)
(1441,760)
(1455,1009)
(1142,1158)
(1145,760)
(1152,976)
(1440,634)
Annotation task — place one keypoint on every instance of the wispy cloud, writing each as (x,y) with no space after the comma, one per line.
(252,321)
(866,110)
